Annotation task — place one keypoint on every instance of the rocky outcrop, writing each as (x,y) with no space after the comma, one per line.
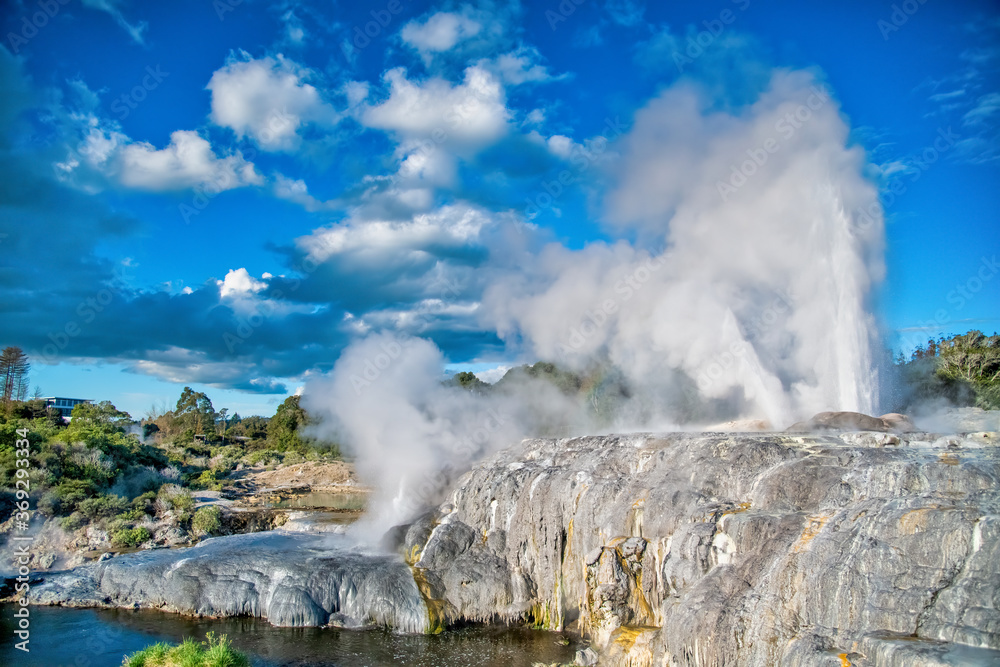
(712,549)
(289,579)
(853,421)
(726,549)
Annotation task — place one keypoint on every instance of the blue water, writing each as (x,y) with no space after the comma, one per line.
(101,638)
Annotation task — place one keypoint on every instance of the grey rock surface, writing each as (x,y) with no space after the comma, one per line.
(289,579)
(709,549)
(859,548)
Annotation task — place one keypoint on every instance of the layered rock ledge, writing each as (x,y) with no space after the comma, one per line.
(679,549)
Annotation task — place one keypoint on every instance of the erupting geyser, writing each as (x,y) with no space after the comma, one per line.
(743,292)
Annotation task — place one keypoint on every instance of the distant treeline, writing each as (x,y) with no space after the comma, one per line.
(964,370)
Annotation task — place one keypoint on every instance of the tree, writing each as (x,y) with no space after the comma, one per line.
(222,422)
(102,415)
(964,370)
(468,381)
(194,411)
(282,429)
(14,369)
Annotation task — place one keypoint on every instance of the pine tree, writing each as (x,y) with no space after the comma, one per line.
(14,369)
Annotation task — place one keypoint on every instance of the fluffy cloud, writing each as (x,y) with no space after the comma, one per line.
(521,65)
(239,282)
(296,190)
(440,32)
(106,155)
(186,162)
(469,115)
(268,100)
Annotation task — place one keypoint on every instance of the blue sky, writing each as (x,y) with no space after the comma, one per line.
(225,194)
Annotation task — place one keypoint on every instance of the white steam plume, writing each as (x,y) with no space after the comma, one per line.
(746,290)
(753,270)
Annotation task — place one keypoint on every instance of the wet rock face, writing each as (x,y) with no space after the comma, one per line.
(745,549)
(291,580)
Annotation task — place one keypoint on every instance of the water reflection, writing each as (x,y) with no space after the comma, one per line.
(98,638)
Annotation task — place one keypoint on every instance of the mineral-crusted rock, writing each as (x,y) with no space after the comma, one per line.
(742,549)
(853,421)
(289,579)
(694,550)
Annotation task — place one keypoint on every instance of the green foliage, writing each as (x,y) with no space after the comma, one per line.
(469,382)
(178,498)
(283,428)
(964,370)
(195,412)
(101,415)
(210,653)
(207,520)
(37,409)
(130,537)
(208,480)
(104,506)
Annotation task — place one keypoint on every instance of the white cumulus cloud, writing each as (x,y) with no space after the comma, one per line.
(269,100)
(440,32)
(472,114)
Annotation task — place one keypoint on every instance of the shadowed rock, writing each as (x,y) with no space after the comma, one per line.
(853,421)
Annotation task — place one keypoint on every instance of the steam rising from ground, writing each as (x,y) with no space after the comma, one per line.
(745,292)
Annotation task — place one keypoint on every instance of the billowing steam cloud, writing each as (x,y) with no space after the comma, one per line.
(754,265)
(744,292)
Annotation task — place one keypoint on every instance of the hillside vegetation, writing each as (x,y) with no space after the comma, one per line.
(963,370)
(123,476)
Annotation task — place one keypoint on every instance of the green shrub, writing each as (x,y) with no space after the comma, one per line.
(103,506)
(207,520)
(210,653)
(208,480)
(262,456)
(134,514)
(74,521)
(179,498)
(130,537)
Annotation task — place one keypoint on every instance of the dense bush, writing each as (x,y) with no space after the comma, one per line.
(130,537)
(207,520)
(104,506)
